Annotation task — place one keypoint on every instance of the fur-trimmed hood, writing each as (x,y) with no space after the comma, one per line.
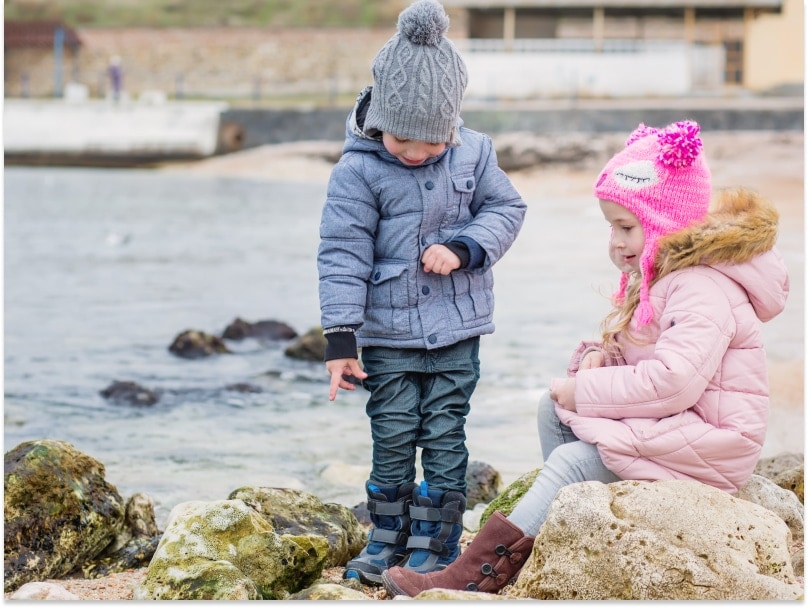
(740,227)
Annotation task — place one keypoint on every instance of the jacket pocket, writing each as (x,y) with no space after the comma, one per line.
(387,310)
(474,297)
(464,186)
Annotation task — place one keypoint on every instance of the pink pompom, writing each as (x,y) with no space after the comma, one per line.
(680,144)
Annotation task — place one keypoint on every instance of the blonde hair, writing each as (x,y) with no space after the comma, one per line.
(619,318)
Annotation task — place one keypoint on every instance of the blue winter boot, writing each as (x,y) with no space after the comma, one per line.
(437,523)
(387,541)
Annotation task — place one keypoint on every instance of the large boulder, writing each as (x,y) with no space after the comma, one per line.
(298,513)
(226,550)
(59,511)
(667,540)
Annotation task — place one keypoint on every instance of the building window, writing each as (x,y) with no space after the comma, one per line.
(733,66)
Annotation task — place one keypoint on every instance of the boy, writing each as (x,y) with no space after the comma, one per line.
(417,213)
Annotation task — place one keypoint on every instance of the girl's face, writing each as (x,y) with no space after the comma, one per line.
(410,151)
(627,239)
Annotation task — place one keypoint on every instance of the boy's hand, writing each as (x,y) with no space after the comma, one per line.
(337,368)
(440,259)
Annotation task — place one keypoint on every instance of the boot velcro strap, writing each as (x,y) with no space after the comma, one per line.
(379,507)
(391,537)
(431,544)
(434,514)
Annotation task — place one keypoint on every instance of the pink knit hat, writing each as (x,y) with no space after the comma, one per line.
(661,177)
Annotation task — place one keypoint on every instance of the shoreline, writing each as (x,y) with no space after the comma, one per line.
(770,162)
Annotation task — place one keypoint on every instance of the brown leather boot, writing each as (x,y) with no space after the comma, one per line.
(491,561)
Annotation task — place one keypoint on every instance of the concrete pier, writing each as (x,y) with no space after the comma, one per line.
(103,132)
(137,133)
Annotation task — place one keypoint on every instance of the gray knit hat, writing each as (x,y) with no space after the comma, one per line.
(419,79)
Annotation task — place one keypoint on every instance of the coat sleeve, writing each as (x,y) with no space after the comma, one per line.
(696,327)
(345,255)
(497,208)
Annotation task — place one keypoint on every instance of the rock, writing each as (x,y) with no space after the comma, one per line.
(483,483)
(239,329)
(309,347)
(134,547)
(59,511)
(42,591)
(793,480)
(448,594)
(507,500)
(784,503)
(668,540)
(129,393)
(225,550)
(243,387)
(193,344)
(774,465)
(299,513)
(328,591)
(521,150)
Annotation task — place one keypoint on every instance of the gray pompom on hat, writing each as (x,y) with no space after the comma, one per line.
(418,79)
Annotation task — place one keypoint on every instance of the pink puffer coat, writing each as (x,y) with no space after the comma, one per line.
(693,403)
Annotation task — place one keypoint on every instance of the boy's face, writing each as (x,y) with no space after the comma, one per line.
(409,151)
(627,239)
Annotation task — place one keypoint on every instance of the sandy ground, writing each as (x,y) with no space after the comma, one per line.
(771,162)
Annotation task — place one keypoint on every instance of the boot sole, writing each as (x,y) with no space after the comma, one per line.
(374,580)
(391,587)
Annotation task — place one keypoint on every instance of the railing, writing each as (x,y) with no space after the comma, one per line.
(566,45)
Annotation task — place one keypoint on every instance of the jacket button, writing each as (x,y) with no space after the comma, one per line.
(376,276)
(423,240)
(425,290)
(432,339)
(429,185)
(469,184)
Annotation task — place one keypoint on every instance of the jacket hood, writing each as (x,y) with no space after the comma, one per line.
(737,238)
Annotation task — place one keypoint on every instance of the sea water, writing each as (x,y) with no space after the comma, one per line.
(103,268)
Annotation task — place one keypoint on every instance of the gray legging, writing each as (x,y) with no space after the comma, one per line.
(567,460)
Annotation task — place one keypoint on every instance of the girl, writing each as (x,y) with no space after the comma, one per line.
(677,388)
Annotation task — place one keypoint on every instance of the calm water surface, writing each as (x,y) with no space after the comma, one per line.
(103,268)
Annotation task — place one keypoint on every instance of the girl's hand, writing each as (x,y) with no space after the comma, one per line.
(440,259)
(337,368)
(592,359)
(562,391)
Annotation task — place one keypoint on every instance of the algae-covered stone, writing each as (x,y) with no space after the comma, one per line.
(507,500)
(59,511)
(299,513)
(226,550)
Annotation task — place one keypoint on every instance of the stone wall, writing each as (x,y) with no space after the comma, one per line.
(222,63)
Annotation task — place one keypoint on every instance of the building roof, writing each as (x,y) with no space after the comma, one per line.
(772,5)
(26,34)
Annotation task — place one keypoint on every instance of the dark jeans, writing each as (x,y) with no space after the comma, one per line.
(420,398)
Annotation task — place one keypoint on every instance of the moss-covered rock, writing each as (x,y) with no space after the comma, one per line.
(227,550)
(507,500)
(59,511)
(299,513)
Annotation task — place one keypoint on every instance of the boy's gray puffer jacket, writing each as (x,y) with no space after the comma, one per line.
(379,218)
